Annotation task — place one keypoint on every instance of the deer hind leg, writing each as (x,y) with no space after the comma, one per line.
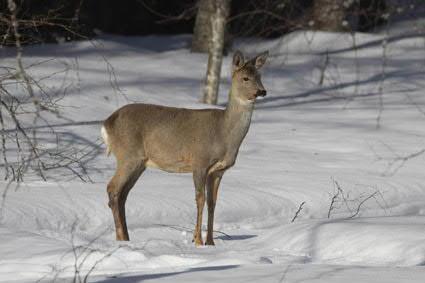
(120,185)
(199,178)
(213,182)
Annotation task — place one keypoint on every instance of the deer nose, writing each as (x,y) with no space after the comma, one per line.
(261,92)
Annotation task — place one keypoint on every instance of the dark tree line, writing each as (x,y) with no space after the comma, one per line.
(58,20)
(42,21)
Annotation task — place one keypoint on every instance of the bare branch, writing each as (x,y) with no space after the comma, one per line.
(298,211)
(361,203)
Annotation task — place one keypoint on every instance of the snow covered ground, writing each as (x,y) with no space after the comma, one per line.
(363,131)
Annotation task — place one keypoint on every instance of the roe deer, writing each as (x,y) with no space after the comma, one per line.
(204,142)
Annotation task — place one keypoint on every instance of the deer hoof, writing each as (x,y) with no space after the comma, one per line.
(123,239)
(198,242)
(121,236)
(210,242)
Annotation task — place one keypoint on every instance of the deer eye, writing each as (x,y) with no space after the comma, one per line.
(246,79)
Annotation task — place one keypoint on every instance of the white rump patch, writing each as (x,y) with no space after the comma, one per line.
(105,140)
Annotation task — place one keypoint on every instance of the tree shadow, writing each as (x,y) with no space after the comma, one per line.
(50,126)
(325,274)
(96,46)
(390,39)
(323,90)
(235,237)
(138,278)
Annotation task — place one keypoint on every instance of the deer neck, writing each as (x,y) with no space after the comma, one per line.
(237,119)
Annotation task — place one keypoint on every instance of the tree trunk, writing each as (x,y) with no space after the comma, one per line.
(330,15)
(202,29)
(221,10)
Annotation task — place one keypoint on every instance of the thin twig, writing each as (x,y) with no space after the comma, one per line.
(361,203)
(298,211)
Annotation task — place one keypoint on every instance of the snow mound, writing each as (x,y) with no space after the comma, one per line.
(398,241)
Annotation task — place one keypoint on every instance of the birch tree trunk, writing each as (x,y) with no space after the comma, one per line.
(221,10)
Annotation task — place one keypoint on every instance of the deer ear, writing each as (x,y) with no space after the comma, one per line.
(238,60)
(261,59)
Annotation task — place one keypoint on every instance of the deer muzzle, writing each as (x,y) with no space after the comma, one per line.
(261,93)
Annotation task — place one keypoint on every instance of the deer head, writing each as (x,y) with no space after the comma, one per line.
(246,79)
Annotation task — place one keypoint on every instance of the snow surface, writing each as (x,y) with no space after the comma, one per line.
(304,141)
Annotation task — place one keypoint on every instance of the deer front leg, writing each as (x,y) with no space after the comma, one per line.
(199,178)
(213,182)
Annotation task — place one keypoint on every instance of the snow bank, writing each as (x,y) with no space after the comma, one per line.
(304,137)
